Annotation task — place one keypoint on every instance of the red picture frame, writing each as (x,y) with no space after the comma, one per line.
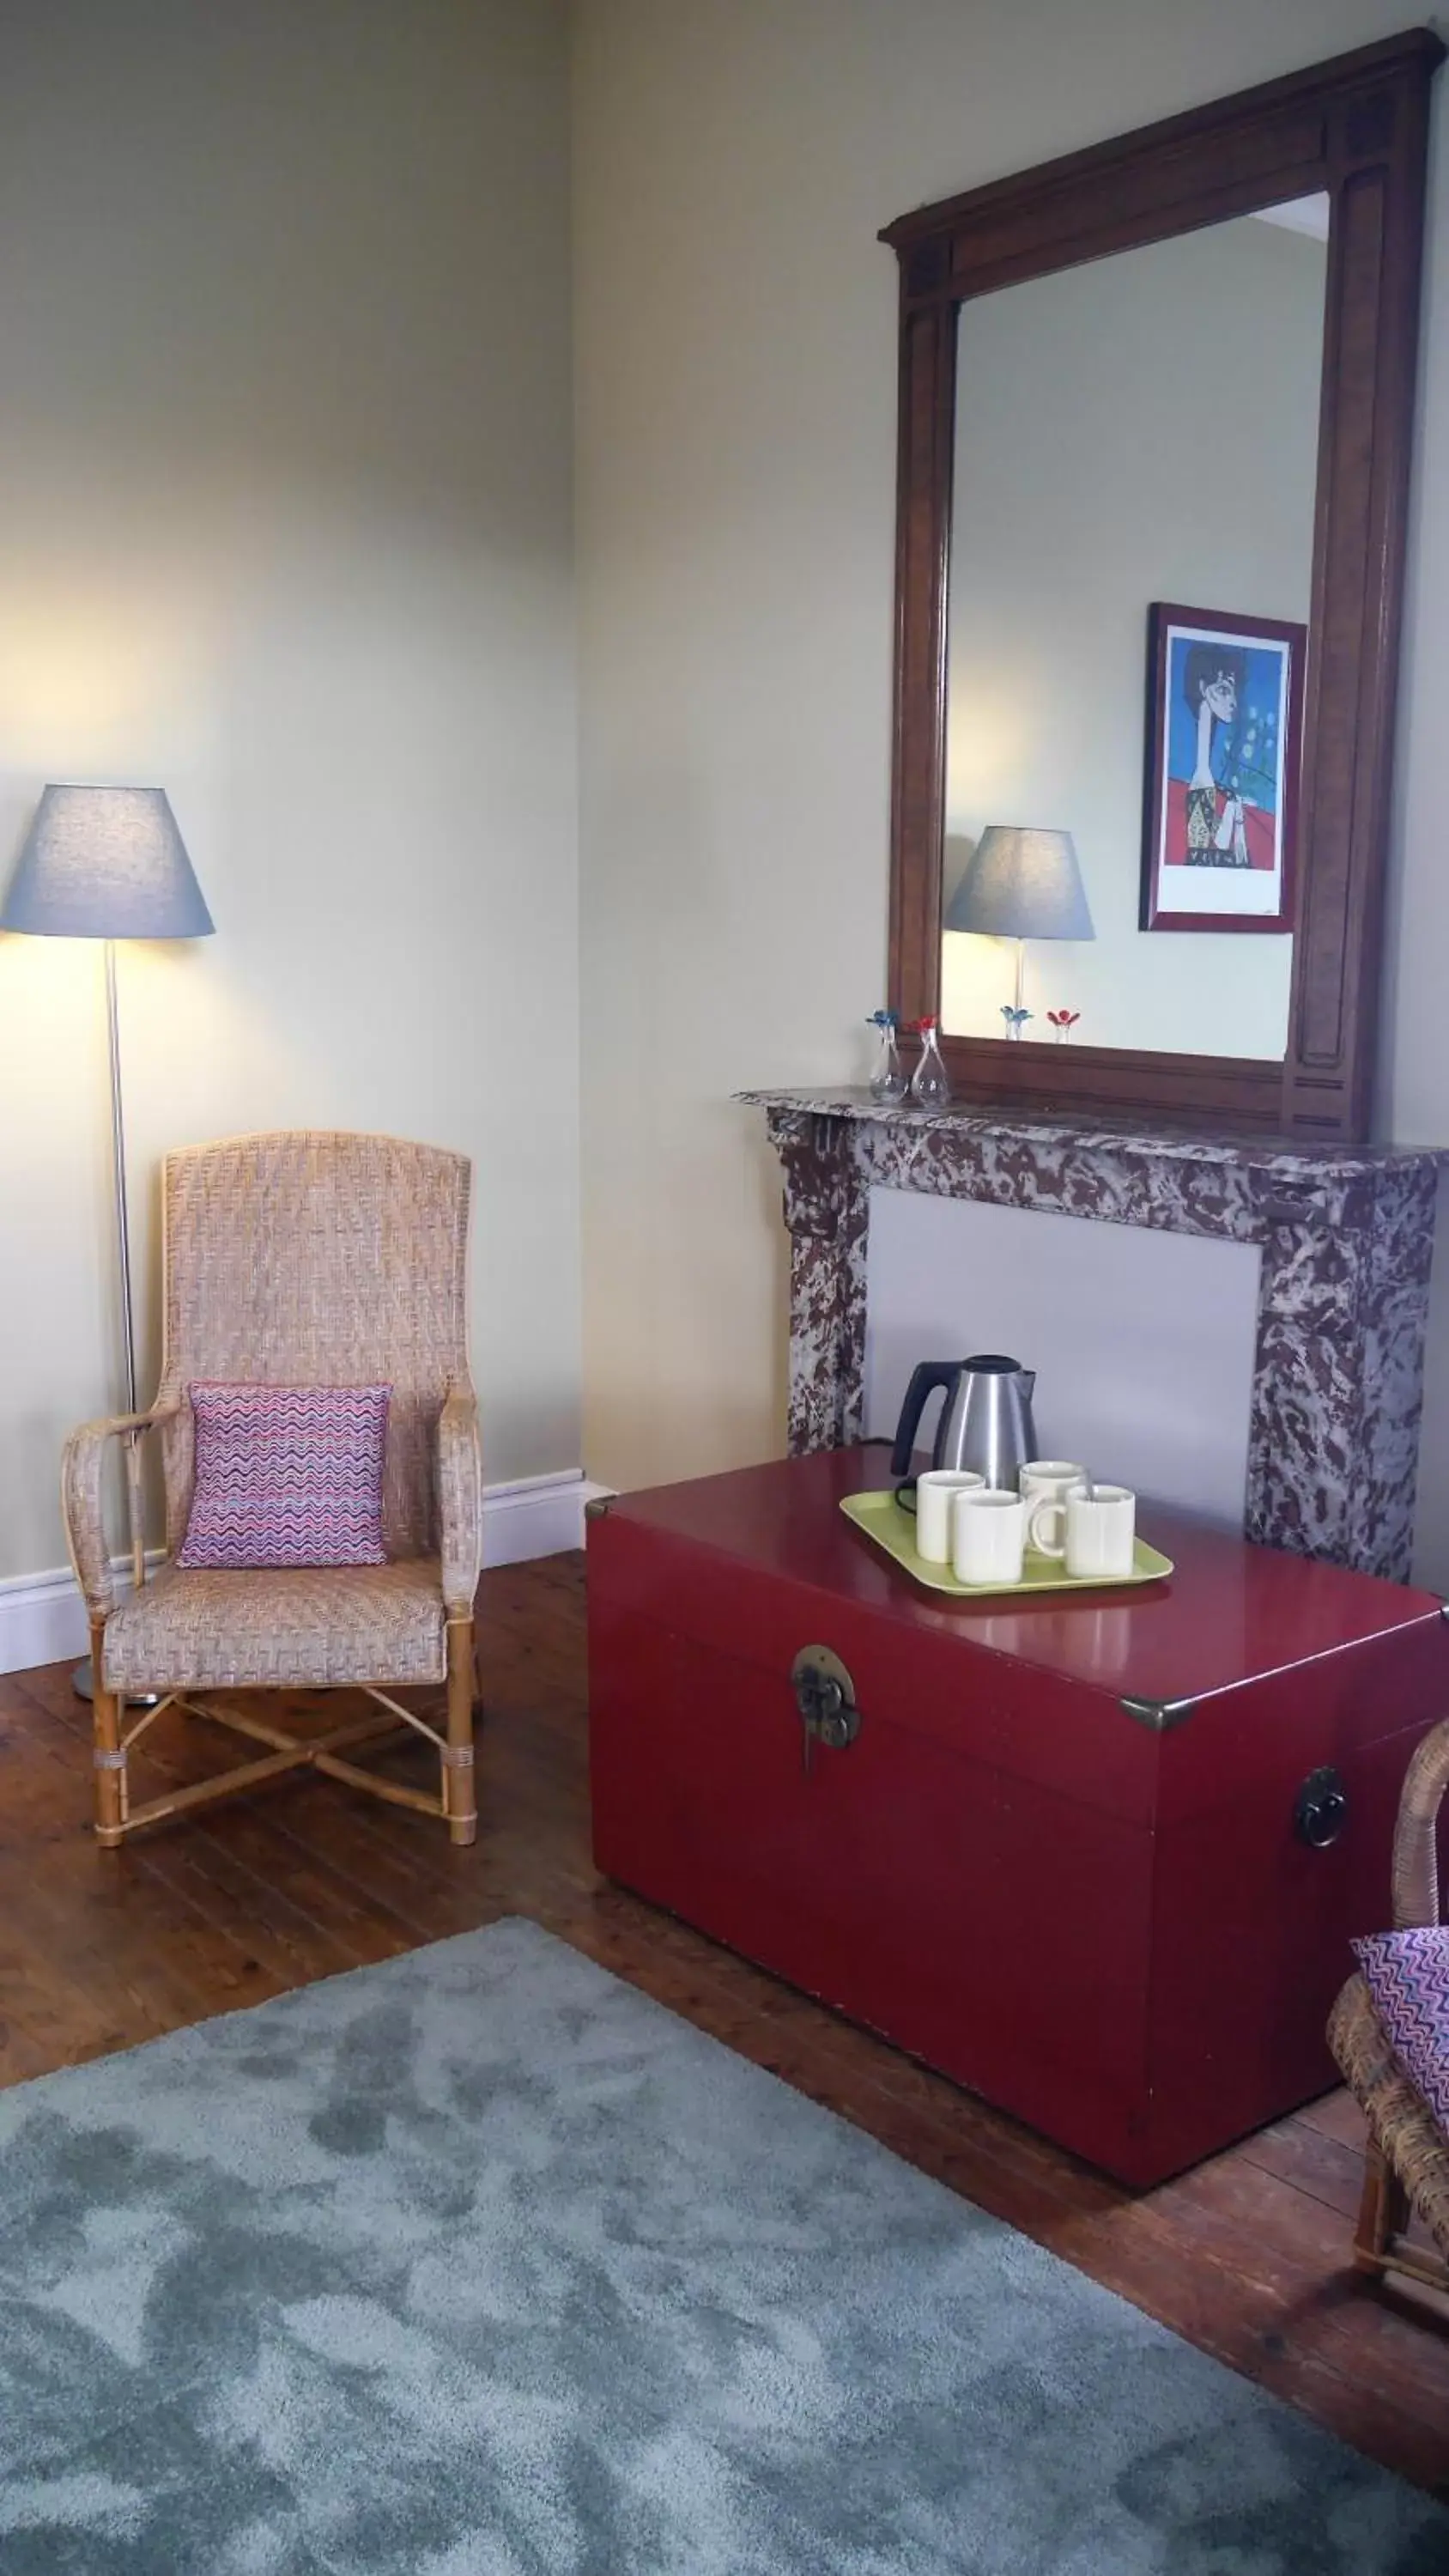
(1224,750)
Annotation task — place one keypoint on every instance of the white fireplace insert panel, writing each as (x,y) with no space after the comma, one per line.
(1142,1341)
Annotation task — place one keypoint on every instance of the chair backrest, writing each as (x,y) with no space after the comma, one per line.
(316,1259)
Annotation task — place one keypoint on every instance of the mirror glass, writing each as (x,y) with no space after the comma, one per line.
(1136,435)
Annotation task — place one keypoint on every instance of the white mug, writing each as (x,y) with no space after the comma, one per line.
(1100,1530)
(990,1536)
(936,1493)
(1050,1480)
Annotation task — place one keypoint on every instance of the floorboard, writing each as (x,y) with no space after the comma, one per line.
(1247,2256)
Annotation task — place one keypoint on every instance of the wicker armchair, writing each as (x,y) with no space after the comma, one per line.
(306,1259)
(1408,2153)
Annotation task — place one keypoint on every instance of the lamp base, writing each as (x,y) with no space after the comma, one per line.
(83,1683)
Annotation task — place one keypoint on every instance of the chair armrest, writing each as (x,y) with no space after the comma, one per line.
(1416,1866)
(460,1498)
(82,1463)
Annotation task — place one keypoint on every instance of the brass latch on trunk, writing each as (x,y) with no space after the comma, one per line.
(825,1697)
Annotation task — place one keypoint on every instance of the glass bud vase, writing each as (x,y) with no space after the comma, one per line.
(888,1082)
(930,1083)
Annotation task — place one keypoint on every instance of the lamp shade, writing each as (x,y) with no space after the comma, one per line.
(105,863)
(1022,885)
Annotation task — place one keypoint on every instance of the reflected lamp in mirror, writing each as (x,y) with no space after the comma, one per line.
(1020,884)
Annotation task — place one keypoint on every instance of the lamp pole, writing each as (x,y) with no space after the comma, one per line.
(83,1677)
(123,1265)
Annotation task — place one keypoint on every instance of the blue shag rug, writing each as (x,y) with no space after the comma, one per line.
(478,2263)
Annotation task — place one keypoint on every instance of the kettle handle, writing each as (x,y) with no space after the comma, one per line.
(925,1379)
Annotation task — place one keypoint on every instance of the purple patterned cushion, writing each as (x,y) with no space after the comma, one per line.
(1407,1974)
(287,1475)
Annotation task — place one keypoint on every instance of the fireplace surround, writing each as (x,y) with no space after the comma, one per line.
(1346,1237)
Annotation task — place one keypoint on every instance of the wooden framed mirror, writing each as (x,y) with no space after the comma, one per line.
(1176,367)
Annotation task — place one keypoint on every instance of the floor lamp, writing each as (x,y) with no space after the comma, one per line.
(108,863)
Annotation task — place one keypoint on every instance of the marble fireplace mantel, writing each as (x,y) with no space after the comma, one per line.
(1346,1236)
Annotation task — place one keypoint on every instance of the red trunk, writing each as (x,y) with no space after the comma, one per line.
(1105,1921)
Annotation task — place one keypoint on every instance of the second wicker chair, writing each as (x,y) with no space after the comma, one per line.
(1408,2152)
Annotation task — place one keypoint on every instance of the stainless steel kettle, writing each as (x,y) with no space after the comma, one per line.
(985,1420)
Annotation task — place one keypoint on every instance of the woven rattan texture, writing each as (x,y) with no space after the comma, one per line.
(313,1259)
(1409,2138)
(460,1498)
(82,1499)
(215,1628)
(1407,2135)
(1416,1857)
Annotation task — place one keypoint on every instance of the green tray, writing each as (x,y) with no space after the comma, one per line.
(882,1519)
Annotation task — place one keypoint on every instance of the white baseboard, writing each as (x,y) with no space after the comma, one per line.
(539,1516)
(43,1620)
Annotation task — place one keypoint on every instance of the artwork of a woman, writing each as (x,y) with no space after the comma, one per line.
(1212,684)
(1224,730)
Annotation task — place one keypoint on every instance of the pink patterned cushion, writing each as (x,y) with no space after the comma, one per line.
(1407,1974)
(287,1475)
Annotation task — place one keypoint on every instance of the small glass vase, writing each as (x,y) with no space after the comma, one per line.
(930,1083)
(888,1083)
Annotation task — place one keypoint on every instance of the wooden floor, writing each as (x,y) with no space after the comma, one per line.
(1246,2256)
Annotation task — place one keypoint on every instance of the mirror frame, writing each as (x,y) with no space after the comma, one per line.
(1357,129)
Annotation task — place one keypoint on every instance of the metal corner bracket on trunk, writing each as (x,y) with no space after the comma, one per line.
(1159,1714)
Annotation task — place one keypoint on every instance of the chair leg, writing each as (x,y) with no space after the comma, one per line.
(110,1761)
(1383,2214)
(459,1798)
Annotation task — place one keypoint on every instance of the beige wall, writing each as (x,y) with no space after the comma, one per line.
(735,361)
(285,526)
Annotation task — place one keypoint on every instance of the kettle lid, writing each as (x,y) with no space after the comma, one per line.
(993,1364)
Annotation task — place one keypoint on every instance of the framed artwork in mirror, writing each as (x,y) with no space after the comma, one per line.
(1224,743)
